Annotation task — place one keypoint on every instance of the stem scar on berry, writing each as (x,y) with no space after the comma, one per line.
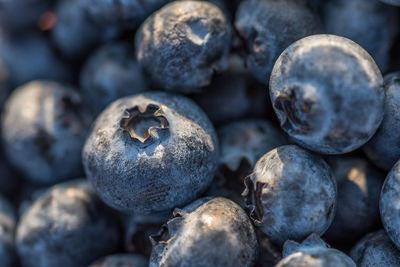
(145,127)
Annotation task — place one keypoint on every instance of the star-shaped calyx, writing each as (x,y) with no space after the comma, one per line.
(145,127)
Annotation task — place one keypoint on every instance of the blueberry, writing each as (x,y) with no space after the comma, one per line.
(151,152)
(327,93)
(357,212)
(74,34)
(375,34)
(291,194)
(7,228)
(234,95)
(388,204)
(29,57)
(183,44)
(382,149)
(67,226)
(375,249)
(208,232)
(22,15)
(138,228)
(110,73)
(44,126)
(121,260)
(313,252)
(267,27)
(124,14)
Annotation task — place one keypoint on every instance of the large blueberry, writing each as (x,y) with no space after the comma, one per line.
(370,24)
(313,252)
(111,73)
(359,186)
(267,27)
(291,194)
(327,93)
(383,149)
(208,232)
(151,152)
(183,44)
(67,226)
(44,126)
(375,249)
(8,220)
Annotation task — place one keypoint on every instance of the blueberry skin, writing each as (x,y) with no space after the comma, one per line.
(8,221)
(124,14)
(183,44)
(44,126)
(328,94)
(67,226)
(359,186)
(29,57)
(121,260)
(376,34)
(110,73)
(208,232)
(391,2)
(313,252)
(151,152)
(291,194)
(388,204)
(382,149)
(267,27)
(74,34)
(234,95)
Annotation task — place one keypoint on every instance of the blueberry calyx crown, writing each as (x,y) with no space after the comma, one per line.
(145,127)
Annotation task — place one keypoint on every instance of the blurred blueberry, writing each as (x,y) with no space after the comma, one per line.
(44,126)
(375,249)
(121,260)
(328,94)
(111,73)
(369,23)
(267,27)
(7,227)
(357,212)
(383,149)
(67,226)
(208,232)
(291,194)
(313,252)
(183,44)
(29,57)
(151,152)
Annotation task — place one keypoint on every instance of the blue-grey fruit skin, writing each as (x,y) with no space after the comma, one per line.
(375,249)
(29,57)
(151,152)
(267,27)
(8,220)
(183,44)
(241,96)
(20,16)
(67,226)
(208,232)
(328,94)
(313,252)
(369,23)
(44,127)
(389,204)
(359,185)
(74,34)
(291,194)
(269,253)
(391,2)
(110,73)
(121,260)
(383,149)
(121,13)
